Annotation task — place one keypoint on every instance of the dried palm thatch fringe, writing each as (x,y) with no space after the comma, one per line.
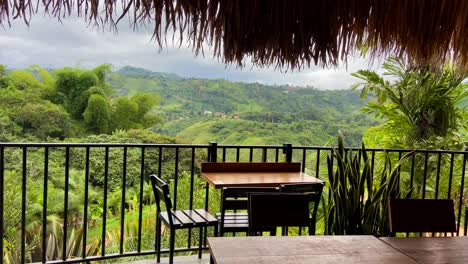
(287,34)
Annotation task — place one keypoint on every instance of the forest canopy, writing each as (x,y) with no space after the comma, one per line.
(38,104)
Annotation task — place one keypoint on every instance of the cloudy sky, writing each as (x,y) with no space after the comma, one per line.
(73,43)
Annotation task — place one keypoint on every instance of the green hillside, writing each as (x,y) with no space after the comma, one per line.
(202,110)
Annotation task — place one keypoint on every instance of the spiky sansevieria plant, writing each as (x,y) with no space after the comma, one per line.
(356,204)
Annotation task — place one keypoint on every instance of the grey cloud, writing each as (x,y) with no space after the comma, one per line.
(75,43)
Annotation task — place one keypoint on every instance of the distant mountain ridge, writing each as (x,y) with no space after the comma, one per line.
(144,73)
(206,109)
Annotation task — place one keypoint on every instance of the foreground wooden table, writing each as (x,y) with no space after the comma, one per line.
(259,174)
(304,249)
(428,250)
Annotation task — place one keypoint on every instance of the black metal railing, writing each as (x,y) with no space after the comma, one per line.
(93,201)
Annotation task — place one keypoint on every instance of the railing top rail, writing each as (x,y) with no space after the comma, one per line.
(157,145)
(346,148)
(388,149)
(21,144)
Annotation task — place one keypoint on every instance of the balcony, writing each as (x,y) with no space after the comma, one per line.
(71,203)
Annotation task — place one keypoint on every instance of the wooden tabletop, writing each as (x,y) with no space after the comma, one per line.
(431,250)
(304,249)
(257,179)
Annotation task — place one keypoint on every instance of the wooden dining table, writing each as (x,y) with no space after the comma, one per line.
(432,250)
(304,249)
(254,174)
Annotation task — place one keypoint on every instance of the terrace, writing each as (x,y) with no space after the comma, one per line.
(126,228)
(103,208)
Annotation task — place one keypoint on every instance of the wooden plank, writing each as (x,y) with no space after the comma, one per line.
(165,218)
(183,219)
(196,217)
(304,249)
(206,215)
(251,167)
(429,250)
(234,215)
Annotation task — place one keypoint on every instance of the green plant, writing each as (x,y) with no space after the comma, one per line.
(420,107)
(356,205)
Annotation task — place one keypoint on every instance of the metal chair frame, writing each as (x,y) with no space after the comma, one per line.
(180,219)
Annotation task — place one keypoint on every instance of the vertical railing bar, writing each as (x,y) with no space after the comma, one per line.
(277,154)
(264,154)
(412,170)
(207,194)
(449,191)
(176,177)
(140,208)
(426,158)
(237,154)
(439,160)
(331,166)
(2,188)
(160,161)
(411,177)
(160,153)
(251,154)
(44,205)
(104,209)
(462,183)
(192,174)
(224,154)
(288,152)
(317,164)
(192,179)
(65,208)
(85,213)
(23,207)
(122,206)
(303,159)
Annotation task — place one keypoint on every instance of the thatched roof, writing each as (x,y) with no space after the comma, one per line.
(287,33)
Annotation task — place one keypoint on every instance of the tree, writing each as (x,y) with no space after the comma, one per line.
(421,109)
(419,106)
(124,112)
(97,114)
(3,80)
(71,84)
(44,119)
(101,72)
(145,103)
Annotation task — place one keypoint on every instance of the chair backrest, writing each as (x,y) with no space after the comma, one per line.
(251,167)
(267,210)
(236,198)
(313,192)
(421,215)
(161,193)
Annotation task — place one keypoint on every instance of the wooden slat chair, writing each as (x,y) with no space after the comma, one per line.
(272,210)
(314,194)
(421,216)
(233,217)
(180,219)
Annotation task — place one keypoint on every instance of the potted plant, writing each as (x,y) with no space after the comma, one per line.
(356,205)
